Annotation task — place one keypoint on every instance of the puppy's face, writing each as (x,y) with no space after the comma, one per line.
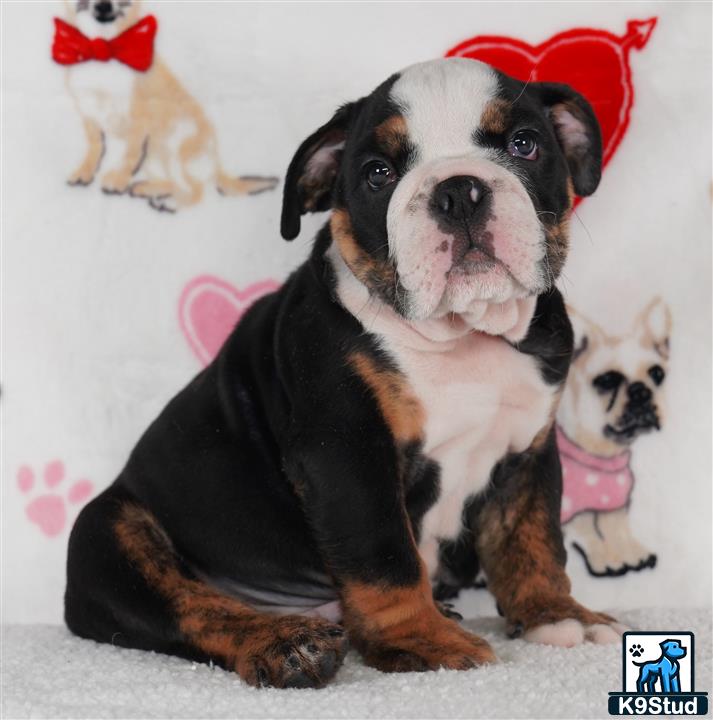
(103,18)
(613,392)
(452,185)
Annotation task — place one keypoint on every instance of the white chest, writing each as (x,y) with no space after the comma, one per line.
(482,399)
(103,92)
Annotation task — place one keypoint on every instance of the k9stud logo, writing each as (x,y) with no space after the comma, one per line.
(658,676)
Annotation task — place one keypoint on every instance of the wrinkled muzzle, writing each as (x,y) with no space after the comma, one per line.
(463,233)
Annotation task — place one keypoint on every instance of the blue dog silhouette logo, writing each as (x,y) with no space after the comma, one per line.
(660,675)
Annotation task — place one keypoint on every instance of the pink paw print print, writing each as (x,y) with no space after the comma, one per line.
(49,510)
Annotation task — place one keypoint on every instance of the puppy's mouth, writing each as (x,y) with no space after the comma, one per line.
(478,259)
(473,250)
(632,424)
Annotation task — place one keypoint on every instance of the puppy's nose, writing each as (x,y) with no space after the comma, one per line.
(458,198)
(638,393)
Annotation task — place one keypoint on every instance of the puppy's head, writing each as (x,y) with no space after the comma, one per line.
(103,18)
(613,390)
(451,184)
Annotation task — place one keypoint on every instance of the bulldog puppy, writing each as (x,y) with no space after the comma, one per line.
(383,421)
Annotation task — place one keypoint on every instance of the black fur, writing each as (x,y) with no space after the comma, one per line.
(275,467)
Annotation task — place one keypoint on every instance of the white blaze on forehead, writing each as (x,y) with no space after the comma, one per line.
(442,102)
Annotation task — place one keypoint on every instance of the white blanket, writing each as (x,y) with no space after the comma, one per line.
(102,314)
(47,673)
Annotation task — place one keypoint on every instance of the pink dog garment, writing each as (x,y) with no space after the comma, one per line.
(592,482)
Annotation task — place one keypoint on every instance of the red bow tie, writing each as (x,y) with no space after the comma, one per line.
(134,47)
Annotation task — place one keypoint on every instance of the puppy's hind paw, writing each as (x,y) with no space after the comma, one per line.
(293,652)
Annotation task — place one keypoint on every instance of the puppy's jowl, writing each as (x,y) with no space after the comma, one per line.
(381,424)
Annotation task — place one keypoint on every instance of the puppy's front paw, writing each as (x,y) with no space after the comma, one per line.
(292,652)
(446,647)
(563,622)
(570,632)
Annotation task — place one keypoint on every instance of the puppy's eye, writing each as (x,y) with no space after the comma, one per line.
(524,145)
(379,174)
(608,381)
(657,374)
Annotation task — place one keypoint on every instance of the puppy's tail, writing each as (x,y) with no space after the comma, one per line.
(242,184)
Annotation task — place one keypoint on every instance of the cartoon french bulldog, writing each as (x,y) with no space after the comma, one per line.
(612,397)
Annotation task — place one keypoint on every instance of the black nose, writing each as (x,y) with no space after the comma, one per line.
(104,8)
(459,198)
(638,393)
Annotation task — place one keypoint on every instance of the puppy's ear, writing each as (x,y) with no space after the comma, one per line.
(653,326)
(578,133)
(587,334)
(314,169)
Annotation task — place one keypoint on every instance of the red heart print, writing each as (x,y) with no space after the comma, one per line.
(209,308)
(593,62)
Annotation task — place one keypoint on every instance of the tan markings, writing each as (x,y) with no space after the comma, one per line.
(570,191)
(378,276)
(524,562)
(518,554)
(496,116)
(400,629)
(557,235)
(311,190)
(254,644)
(159,106)
(538,442)
(392,135)
(557,244)
(401,409)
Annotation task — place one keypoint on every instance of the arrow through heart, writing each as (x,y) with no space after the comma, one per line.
(593,62)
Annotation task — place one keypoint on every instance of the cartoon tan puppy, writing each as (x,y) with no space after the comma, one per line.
(140,123)
(610,399)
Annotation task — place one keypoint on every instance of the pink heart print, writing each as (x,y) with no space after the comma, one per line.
(209,308)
